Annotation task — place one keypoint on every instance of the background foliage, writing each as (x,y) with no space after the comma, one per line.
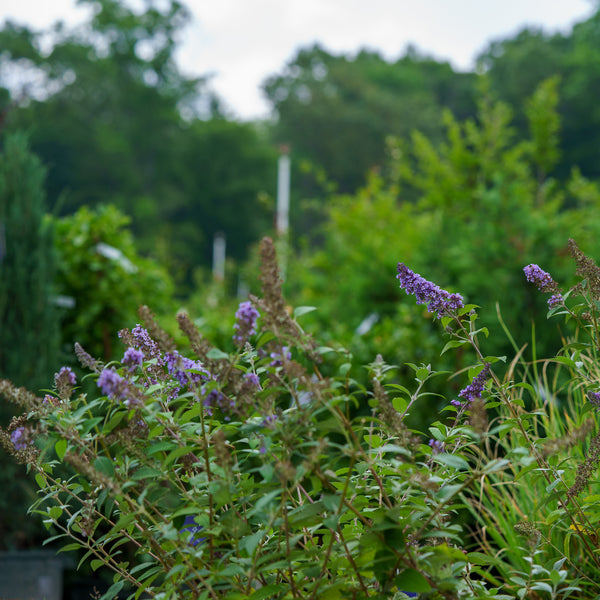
(464,175)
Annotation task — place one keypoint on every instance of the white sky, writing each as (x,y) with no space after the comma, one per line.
(242,42)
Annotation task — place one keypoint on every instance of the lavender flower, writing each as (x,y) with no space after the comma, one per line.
(278,357)
(555,300)
(269,421)
(545,283)
(146,344)
(216,399)
(49,399)
(541,278)
(117,388)
(437,446)
(65,380)
(133,358)
(245,325)
(438,300)
(252,379)
(475,389)
(19,439)
(180,367)
(594,398)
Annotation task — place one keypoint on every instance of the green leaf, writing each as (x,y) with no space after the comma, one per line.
(216,354)
(113,422)
(96,564)
(452,460)
(105,466)
(412,581)
(452,344)
(422,374)
(479,558)
(146,473)
(55,512)
(374,441)
(496,465)
(267,591)
(113,590)
(307,514)
(250,542)
(303,310)
(60,447)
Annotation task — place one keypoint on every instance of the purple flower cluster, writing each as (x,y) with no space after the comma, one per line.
(133,359)
(217,399)
(555,300)
(279,356)
(180,367)
(19,438)
(544,282)
(245,325)
(475,389)
(437,446)
(252,379)
(438,301)
(537,275)
(65,380)
(114,386)
(146,344)
(269,421)
(594,398)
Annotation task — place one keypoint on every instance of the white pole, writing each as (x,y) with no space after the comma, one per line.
(219,256)
(283,192)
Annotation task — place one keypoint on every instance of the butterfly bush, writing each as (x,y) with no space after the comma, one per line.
(267,471)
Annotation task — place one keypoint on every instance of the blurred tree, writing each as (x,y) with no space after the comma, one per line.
(516,66)
(28,317)
(100,270)
(116,121)
(29,329)
(337,111)
(485,205)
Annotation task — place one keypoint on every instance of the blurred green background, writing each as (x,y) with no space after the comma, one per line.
(115,181)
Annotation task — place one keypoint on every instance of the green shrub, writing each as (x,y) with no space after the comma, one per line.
(250,475)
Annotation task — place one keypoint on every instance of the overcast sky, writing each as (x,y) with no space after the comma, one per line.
(242,42)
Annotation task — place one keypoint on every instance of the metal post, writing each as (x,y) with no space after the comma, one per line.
(283,192)
(283,208)
(219,256)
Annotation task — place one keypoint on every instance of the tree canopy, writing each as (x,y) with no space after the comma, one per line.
(115,121)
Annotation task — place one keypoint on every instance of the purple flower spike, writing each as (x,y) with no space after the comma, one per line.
(541,278)
(146,344)
(133,358)
(179,366)
(475,389)
(437,446)
(555,300)
(438,301)
(245,325)
(19,439)
(65,380)
(117,388)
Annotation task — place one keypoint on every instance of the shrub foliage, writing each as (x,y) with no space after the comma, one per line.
(251,475)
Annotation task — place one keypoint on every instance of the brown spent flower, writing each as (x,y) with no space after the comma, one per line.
(87,360)
(586,469)
(200,346)
(163,339)
(586,268)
